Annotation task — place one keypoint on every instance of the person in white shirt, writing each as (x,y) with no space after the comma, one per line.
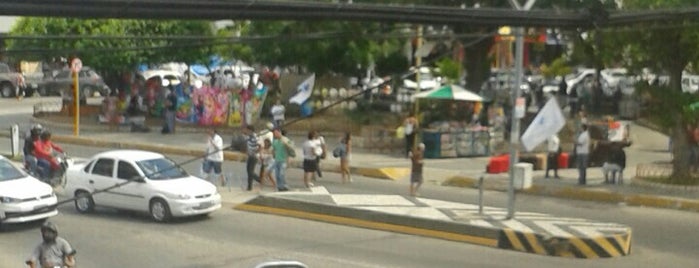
(278,111)
(214,156)
(311,151)
(554,146)
(582,151)
(321,142)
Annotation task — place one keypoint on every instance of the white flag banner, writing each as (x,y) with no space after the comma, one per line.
(304,90)
(547,122)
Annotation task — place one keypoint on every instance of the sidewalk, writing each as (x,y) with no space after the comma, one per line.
(649,146)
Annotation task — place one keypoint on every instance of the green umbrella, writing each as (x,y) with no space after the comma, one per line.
(449,92)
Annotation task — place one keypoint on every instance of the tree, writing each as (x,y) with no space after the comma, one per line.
(671,48)
(110,54)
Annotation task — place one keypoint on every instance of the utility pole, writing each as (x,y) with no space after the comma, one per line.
(514,131)
(418,63)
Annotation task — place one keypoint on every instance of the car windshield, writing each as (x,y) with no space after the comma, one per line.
(161,169)
(9,171)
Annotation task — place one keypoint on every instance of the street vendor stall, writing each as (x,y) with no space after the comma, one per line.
(456,132)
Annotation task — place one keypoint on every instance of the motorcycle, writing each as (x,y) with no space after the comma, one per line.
(55,177)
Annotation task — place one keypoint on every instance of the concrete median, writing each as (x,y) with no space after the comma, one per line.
(590,243)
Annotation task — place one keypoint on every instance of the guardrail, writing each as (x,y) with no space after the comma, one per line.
(47,107)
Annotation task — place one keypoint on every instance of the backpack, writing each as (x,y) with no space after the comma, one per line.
(339,151)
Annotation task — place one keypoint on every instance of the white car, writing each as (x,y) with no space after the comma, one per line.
(149,182)
(22,197)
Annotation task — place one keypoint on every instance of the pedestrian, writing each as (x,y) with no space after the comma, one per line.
(53,251)
(311,152)
(170,109)
(582,150)
(321,142)
(573,100)
(280,151)
(278,110)
(214,157)
(615,164)
(266,163)
(416,179)
(410,125)
(554,151)
(253,149)
(345,157)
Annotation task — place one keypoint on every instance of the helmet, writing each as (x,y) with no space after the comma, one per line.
(49,226)
(37,127)
(45,135)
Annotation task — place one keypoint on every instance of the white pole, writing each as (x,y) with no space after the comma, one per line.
(514,131)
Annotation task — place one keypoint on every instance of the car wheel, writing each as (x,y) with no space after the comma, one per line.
(6,90)
(84,202)
(29,92)
(88,92)
(159,210)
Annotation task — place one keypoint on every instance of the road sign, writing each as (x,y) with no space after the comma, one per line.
(75,65)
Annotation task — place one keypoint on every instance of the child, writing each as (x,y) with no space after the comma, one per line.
(416,171)
(266,163)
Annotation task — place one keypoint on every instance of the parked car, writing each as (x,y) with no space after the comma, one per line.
(166,76)
(23,198)
(62,84)
(151,182)
(10,81)
(690,83)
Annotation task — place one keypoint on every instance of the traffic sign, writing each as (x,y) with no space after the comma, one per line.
(76,64)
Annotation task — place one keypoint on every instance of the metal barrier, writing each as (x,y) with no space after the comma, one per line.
(48,107)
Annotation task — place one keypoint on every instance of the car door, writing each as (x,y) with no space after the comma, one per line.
(102,177)
(132,195)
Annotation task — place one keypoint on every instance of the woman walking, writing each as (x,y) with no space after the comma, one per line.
(266,164)
(346,142)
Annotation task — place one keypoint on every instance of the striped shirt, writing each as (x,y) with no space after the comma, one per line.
(253,144)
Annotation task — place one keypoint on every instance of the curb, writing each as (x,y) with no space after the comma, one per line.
(589,195)
(573,247)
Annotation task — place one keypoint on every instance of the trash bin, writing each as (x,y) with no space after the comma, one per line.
(433,144)
(523,175)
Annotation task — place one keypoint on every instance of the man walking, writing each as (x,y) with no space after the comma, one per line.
(554,146)
(253,148)
(214,157)
(582,151)
(281,156)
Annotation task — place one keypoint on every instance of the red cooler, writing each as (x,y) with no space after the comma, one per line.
(563,160)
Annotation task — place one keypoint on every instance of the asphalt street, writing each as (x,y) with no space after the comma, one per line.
(231,238)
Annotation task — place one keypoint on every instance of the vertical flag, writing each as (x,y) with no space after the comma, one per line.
(547,122)
(304,90)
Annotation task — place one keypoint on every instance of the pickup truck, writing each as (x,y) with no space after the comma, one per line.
(10,82)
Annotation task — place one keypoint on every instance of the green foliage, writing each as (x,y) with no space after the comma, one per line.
(557,68)
(450,69)
(111,54)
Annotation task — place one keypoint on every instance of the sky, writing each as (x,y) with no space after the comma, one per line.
(6,23)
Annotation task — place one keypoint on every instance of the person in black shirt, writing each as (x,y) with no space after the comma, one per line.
(30,160)
(170,109)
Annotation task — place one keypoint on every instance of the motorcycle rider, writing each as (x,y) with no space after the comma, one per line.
(53,251)
(45,152)
(30,160)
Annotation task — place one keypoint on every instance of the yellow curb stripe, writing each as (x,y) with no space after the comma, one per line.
(625,242)
(514,240)
(395,173)
(371,225)
(584,249)
(535,243)
(610,249)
